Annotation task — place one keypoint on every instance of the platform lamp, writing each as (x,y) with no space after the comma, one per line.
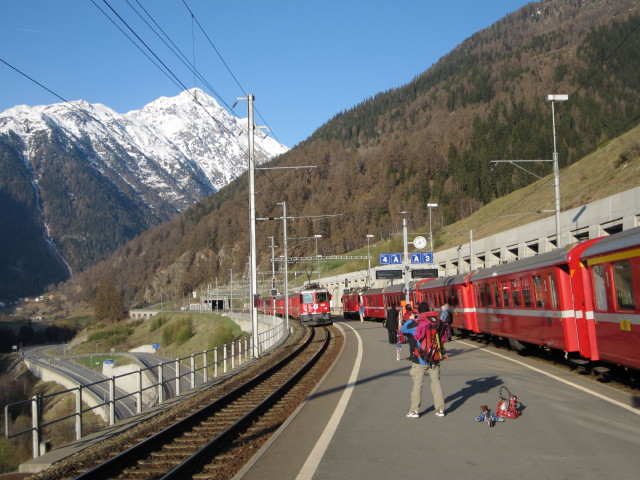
(369,261)
(317,257)
(556,171)
(431,205)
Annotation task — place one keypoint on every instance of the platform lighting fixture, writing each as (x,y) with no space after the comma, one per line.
(317,257)
(405,259)
(369,261)
(431,205)
(556,171)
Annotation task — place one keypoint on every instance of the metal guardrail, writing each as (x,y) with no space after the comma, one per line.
(218,361)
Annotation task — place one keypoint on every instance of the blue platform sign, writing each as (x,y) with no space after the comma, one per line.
(156,346)
(422,257)
(390,259)
(108,362)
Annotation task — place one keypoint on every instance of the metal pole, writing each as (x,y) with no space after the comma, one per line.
(405,259)
(368,261)
(556,177)
(231,291)
(431,205)
(273,260)
(318,258)
(253,290)
(472,255)
(286,264)
(556,171)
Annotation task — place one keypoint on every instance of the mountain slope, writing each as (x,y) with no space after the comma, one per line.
(429,141)
(91,178)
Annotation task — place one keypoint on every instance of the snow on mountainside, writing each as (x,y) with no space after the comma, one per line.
(78,180)
(175,143)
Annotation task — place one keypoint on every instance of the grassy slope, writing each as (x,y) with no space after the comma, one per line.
(612,169)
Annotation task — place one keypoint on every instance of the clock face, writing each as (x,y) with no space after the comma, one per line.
(419,242)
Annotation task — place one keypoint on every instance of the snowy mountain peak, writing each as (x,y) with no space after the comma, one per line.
(88,178)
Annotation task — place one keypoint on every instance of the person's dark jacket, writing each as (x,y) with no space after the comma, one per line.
(392,319)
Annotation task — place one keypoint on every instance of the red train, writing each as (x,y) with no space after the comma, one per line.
(311,305)
(583,299)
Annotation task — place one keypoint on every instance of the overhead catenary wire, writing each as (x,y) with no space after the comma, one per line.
(169,70)
(182,57)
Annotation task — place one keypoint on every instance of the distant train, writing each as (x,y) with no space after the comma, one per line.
(311,305)
(583,300)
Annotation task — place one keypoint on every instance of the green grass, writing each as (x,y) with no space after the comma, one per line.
(95,362)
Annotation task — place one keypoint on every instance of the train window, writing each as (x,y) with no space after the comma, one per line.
(554,297)
(487,294)
(459,303)
(599,287)
(526,292)
(322,297)
(623,285)
(479,296)
(515,293)
(496,294)
(538,291)
(505,295)
(307,298)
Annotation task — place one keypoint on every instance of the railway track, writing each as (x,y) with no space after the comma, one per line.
(620,378)
(215,440)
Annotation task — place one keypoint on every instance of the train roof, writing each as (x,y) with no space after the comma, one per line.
(446,281)
(617,241)
(397,287)
(554,257)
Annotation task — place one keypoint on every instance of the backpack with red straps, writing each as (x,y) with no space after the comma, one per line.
(430,335)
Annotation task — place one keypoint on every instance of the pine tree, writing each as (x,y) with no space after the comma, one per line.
(109,305)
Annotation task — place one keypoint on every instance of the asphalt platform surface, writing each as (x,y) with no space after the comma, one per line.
(354,426)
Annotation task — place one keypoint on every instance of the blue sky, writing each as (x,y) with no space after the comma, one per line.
(304,60)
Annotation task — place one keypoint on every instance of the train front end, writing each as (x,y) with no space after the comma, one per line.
(315,307)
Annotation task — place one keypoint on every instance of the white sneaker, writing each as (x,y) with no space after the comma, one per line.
(413,415)
(439,413)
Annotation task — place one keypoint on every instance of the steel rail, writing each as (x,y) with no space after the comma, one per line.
(125,459)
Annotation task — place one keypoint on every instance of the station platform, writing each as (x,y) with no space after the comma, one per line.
(354,425)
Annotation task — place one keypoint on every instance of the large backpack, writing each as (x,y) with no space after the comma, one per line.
(430,336)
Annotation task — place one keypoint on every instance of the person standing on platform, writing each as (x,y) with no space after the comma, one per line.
(406,318)
(419,368)
(392,325)
(361,310)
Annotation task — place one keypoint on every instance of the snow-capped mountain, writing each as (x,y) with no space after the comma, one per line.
(86,178)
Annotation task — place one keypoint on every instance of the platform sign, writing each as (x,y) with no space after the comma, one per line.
(108,362)
(390,259)
(388,274)
(424,273)
(156,346)
(422,257)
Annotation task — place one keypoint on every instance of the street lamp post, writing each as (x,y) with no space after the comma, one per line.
(317,257)
(405,259)
(556,171)
(369,262)
(431,205)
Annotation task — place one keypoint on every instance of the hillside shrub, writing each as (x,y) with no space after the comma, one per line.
(157,322)
(177,332)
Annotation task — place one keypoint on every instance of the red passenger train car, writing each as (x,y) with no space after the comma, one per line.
(351,304)
(531,300)
(611,308)
(311,306)
(583,299)
(455,291)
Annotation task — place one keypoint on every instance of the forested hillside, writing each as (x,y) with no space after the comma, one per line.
(428,141)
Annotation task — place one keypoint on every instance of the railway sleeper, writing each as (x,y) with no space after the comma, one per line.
(172,462)
(146,473)
(172,455)
(175,447)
